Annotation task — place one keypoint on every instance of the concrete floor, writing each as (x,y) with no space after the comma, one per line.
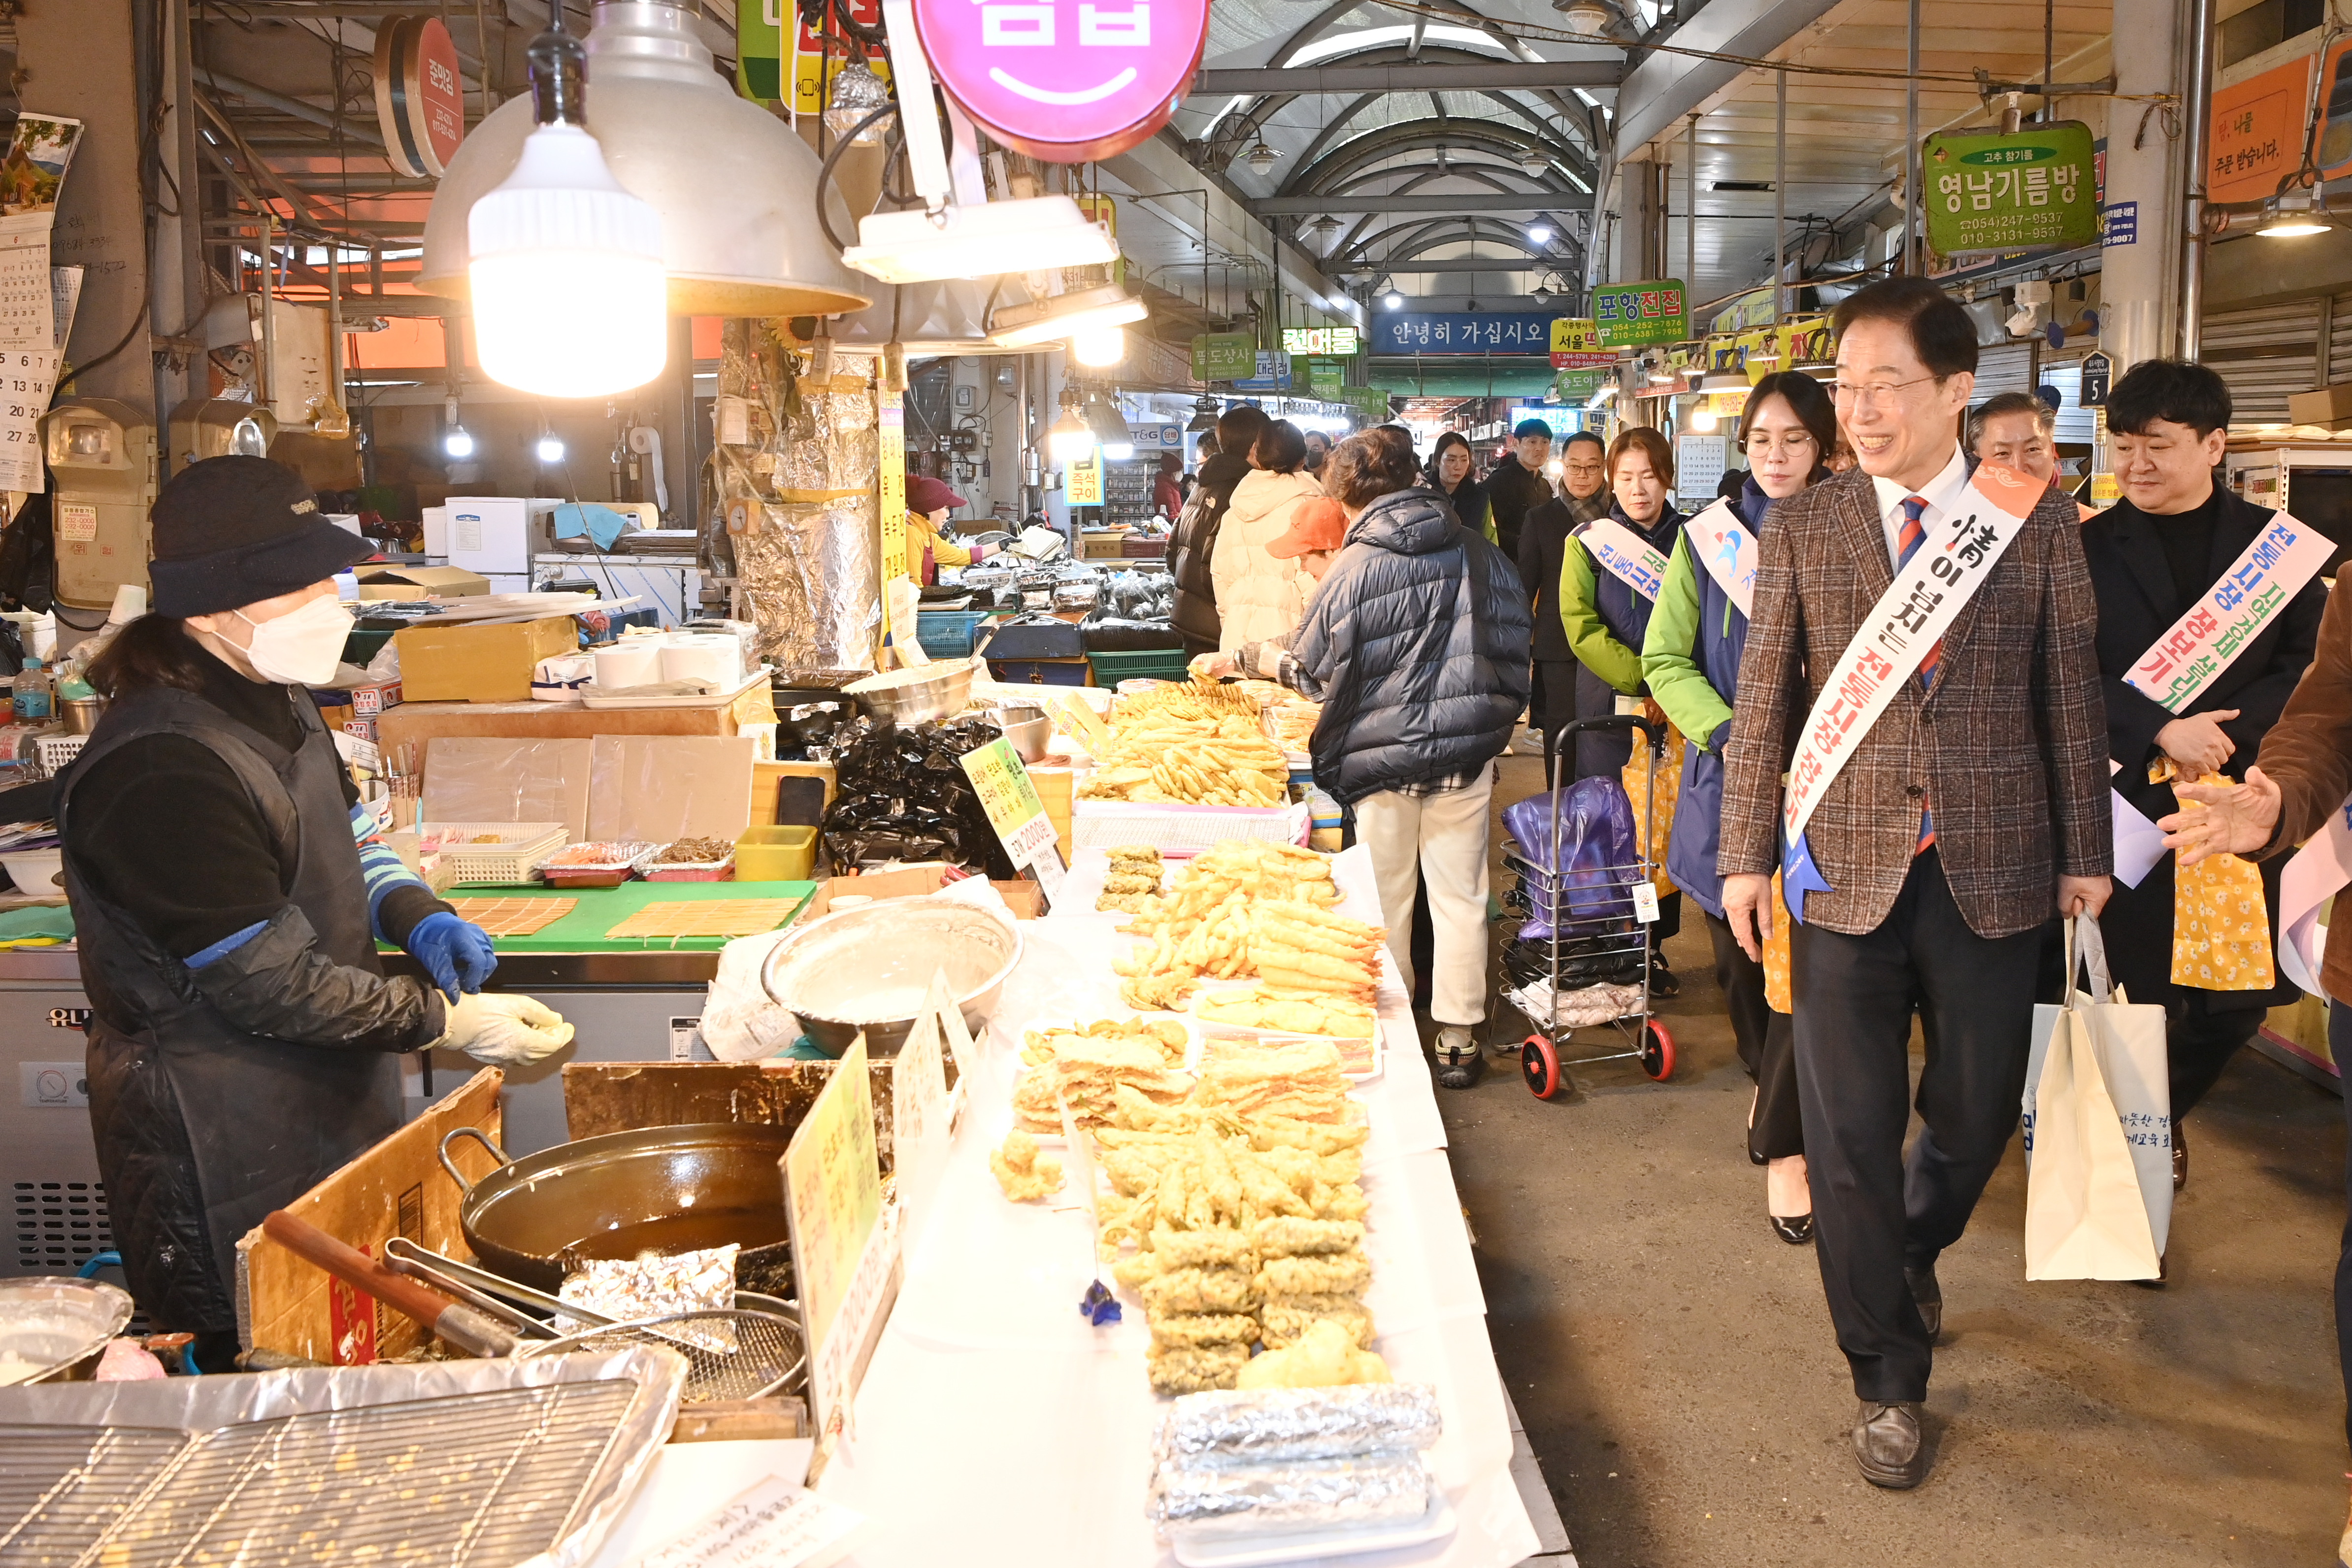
(1674,1366)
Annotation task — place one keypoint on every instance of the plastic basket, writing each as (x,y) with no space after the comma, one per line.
(786,854)
(508,862)
(1139,664)
(1182,830)
(54,752)
(949,634)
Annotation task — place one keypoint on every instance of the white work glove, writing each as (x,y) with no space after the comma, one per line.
(502,1030)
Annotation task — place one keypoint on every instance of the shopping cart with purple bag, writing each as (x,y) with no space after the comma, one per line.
(1581,959)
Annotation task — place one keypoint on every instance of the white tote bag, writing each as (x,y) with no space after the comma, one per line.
(2099,1130)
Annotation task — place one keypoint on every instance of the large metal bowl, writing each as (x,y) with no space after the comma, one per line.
(865,971)
(49,1324)
(907,697)
(1028,730)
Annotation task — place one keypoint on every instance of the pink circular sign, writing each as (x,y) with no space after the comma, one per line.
(1064,81)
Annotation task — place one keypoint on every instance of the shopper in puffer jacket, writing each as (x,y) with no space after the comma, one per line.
(1259,597)
(1416,644)
(1192,543)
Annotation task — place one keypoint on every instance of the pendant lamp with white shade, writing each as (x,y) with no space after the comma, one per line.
(569,298)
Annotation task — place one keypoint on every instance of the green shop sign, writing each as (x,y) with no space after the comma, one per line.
(2032,189)
(760,48)
(1224,356)
(1630,315)
(1326,377)
(1578,385)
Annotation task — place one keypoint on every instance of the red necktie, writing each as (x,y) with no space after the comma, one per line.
(1906,544)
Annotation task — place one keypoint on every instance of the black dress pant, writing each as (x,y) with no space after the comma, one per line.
(1768,1047)
(2200,1035)
(1875,1213)
(2339,1045)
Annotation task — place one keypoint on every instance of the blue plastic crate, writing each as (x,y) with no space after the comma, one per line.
(949,634)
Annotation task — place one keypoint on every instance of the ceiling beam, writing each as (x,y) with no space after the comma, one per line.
(1663,88)
(1501,74)
(1466,202)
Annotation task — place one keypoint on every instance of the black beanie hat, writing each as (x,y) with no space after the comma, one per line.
(233,531)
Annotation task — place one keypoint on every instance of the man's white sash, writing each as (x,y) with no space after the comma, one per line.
(2210,634)
(1953,562)
(1724,546)
(1627,555)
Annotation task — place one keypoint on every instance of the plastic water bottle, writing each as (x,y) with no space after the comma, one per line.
(32,696)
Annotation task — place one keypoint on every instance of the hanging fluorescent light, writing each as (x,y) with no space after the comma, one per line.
(1068,439)
(1393,302)
(1723,381)
(1702,418)
(1109,429)
(978,239)
(1260,157)
(569,295)
(2293,216)
(1204,415)
(1534,160)
(734,188)
(457,443)
(1065,315)
(549,447)
(1106,347)
(1586,18)
(1540,234)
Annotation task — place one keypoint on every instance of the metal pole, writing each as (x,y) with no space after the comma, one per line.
(1911,141)
(2200,108)
(265,380)
(1690,204)
(1779,194)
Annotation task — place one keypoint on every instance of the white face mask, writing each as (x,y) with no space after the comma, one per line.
(302,646)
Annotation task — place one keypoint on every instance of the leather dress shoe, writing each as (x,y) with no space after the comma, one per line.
(1887,1446)
(1796,1230)
(1930,1298)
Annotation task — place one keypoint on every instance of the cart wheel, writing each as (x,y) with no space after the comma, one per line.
(1658,1052)
(1539,1065)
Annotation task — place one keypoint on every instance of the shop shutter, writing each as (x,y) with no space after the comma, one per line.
(2264,353)
(2004,367)
(2073,420)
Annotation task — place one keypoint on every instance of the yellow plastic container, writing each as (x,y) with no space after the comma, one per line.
(775,855)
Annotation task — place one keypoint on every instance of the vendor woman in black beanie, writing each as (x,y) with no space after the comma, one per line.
(229,892)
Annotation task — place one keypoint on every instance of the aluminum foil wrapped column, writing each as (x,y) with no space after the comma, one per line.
(798,497)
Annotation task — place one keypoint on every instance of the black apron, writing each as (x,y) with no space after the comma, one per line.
(201,1128)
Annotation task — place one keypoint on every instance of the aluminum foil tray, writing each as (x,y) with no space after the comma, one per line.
(462,1463)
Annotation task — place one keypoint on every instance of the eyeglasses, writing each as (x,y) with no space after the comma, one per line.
(1795,441)
(1870,394)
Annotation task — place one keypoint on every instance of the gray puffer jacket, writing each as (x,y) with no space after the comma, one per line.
(1416,641)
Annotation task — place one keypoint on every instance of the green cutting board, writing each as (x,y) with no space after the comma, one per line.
(599,910)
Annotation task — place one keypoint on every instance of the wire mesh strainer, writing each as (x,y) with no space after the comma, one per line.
(730,1355)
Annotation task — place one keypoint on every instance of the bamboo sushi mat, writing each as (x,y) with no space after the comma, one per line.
(513,917)
(705,917)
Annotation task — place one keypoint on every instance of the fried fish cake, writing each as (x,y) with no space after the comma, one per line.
(1176,1291)
(1195,1369)
(1336,1273)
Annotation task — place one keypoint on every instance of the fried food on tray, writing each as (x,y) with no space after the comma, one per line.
(1132,881)
(1134,855)
(1195,1369)
(1038,1046)
(1301,1080)
(1292,723)
(1205,1250)
(1157,993)
(1087,1072)
(1180,1290)
(1324,1356)
(1024,1173)
(1324,1274)
(1284,1319)
(1205,1328)
(1291,1012)
(1287,1236)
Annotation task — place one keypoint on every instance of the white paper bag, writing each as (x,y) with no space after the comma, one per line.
(2098,1131)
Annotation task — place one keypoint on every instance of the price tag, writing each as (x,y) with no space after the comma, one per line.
(1016,813)
(1646,902)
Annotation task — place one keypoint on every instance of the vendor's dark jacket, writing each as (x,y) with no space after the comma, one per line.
(1416,642)
(1512,490)
(243,1033)
(1193,541)
(2138,602)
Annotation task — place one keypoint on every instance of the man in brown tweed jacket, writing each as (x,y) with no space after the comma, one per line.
(1973,810)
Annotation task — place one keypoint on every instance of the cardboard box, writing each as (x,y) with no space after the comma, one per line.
(477,663)
(420,581)
(396,1188)
(1027,899)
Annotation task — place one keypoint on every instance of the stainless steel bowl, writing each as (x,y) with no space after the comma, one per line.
(867,969)
(907,697)
(1027,727)
(49,1324)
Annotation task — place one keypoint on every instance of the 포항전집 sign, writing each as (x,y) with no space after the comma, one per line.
(1628,315)
(2030,189)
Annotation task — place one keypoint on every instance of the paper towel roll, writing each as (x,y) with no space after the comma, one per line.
(628,664)
(717,659)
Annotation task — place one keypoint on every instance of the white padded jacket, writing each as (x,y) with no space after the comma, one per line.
(1258,597)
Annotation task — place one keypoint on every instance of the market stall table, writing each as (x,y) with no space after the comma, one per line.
(994,1425)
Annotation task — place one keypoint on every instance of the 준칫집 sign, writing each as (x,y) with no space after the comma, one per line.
(2031,189)
(1631,315)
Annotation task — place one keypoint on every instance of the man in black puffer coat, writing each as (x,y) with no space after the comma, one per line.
(1194,538)
(1416,643)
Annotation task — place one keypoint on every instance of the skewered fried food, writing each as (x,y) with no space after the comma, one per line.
(1195,1369)
(1283,1236)
(1324,1274)
(1024,1173)
(1177,1290)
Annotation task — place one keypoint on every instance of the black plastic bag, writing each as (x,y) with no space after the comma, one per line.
(902,795)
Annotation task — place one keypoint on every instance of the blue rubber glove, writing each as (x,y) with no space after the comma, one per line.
(456,952)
